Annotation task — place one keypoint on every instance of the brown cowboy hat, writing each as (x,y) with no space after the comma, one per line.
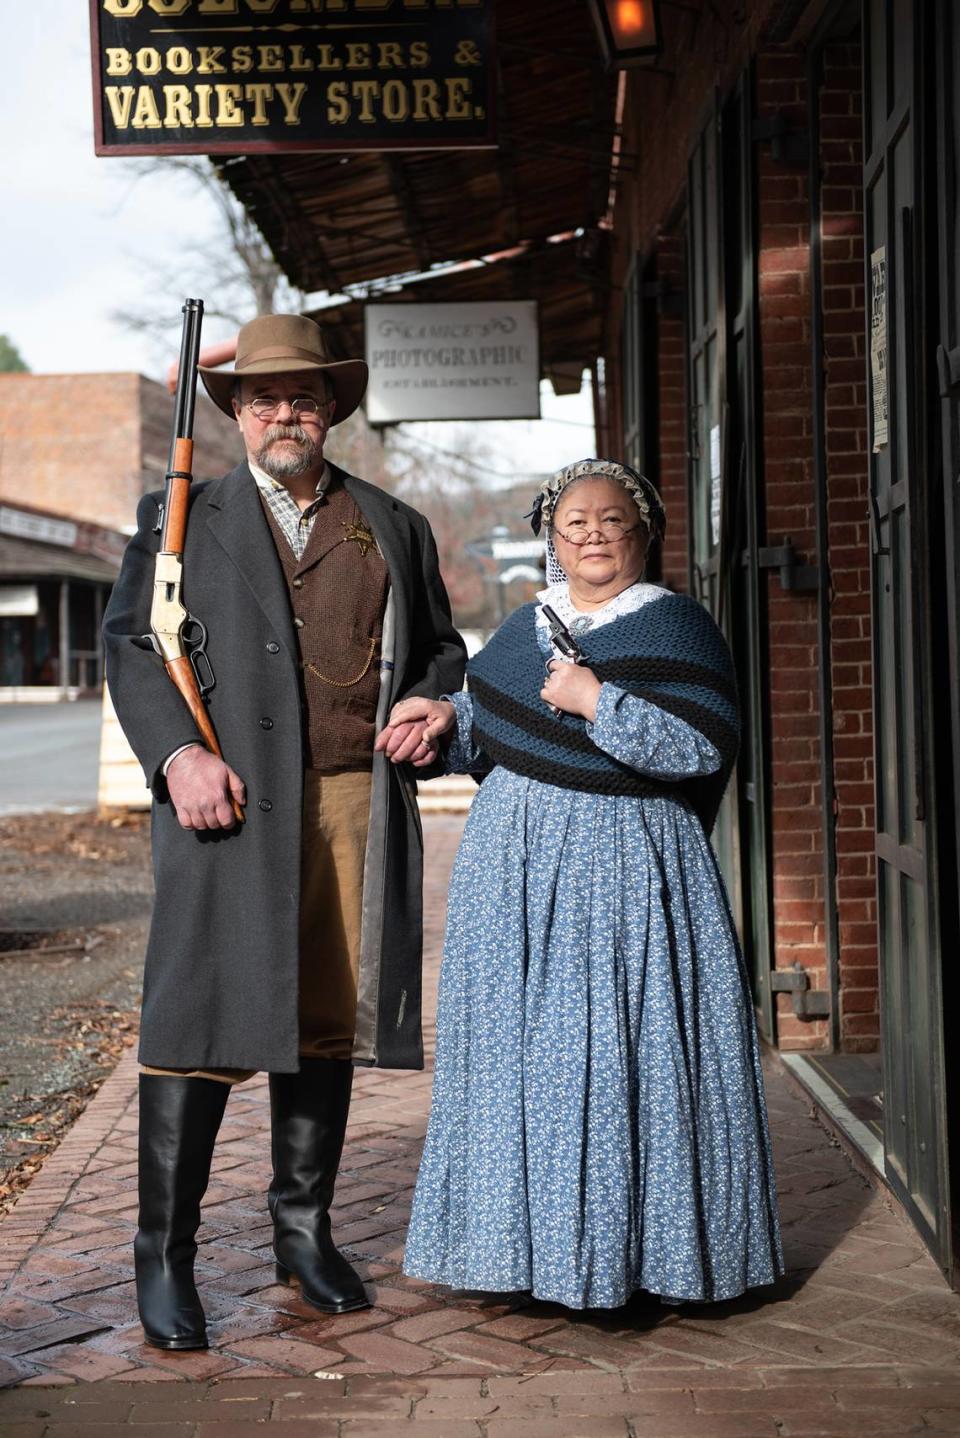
(286,344)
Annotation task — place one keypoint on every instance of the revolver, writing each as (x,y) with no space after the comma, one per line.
(564,643)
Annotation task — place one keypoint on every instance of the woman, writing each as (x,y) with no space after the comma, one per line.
(598,1122)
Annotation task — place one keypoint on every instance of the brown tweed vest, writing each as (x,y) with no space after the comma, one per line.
(338,592)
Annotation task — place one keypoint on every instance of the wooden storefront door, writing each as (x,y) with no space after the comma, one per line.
(947,47)
(908,912)
(726,523)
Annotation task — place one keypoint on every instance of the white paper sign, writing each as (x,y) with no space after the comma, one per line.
(878,346)
(479,360)
(715,483)
(18,601)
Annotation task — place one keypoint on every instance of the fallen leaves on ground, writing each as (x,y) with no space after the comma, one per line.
(101,838)
(100,1032)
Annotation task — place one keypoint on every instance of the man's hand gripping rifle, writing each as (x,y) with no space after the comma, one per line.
(178,637)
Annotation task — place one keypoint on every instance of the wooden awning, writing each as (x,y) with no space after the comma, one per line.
(31,559)
(349,223)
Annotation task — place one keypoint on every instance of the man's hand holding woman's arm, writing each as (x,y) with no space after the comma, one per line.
(414,730)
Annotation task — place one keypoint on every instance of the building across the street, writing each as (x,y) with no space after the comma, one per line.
(77,452)
(55,576)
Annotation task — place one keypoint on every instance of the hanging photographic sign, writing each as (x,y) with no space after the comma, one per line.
(241,77)
(478,360)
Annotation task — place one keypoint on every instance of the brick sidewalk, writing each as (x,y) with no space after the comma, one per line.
(862,1338)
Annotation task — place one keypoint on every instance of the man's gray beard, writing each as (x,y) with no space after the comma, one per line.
(284,464)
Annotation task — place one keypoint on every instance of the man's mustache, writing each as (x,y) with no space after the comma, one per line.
(285,431)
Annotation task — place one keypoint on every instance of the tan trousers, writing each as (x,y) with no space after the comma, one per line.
(336,812)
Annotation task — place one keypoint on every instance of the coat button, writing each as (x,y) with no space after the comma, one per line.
(298,622)
(265,805)
(266,722)
(298,584)
(273,647)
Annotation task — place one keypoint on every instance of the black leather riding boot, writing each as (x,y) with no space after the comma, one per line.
(179,1119)
(308,1119)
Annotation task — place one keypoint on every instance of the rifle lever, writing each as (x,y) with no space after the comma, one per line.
(196,648)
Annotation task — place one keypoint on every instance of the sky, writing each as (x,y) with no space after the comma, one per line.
(80,233)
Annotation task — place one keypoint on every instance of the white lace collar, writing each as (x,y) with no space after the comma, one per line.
(628,600)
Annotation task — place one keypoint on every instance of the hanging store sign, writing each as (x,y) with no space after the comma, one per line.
(24,524)
(478,360)
(241,77)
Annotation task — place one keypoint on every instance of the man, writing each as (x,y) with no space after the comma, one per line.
(291,942)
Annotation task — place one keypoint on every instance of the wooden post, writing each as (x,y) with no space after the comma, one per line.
(64,637)
(97,635)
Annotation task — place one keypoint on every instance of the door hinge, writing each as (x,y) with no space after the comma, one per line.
(793,576)
(948,366)
(789,143)
(807,1003)
(669,301)
(873,516)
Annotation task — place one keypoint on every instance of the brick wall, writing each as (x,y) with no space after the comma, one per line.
(217,445)
(784,315)
(70,445)
(708,47)
(841,157)
(87,446)
(650,199)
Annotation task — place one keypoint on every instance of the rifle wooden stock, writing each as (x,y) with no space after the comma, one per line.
(177,500)
(167,613)
(181,672)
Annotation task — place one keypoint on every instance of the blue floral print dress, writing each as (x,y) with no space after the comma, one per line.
(598,1123)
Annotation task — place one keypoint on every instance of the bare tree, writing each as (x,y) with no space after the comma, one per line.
(235,273)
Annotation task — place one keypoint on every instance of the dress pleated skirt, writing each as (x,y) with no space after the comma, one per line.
(598,1122)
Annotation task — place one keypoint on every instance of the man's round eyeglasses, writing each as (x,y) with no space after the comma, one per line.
(610,531)
(304,406)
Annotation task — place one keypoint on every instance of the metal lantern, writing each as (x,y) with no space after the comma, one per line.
(629,31)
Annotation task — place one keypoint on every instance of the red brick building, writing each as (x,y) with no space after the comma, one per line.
(76,454)
(785,189)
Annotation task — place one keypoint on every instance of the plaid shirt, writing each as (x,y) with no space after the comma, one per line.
(295,523)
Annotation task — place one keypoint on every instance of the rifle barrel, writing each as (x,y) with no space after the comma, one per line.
(186,385)
(194,309)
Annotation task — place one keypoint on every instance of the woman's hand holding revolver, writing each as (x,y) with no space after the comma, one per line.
(571,687)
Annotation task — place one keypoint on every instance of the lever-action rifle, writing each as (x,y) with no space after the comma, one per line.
(179,637)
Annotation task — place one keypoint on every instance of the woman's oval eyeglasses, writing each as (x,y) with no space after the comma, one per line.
(610,531)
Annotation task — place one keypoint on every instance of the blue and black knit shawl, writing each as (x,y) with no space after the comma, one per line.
(669,652)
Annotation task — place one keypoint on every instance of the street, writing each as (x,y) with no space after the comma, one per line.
(48,756)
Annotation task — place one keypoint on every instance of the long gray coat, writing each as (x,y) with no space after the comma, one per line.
(220,987)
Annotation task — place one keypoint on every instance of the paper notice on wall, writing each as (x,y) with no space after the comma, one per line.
(715,483)
(878,346)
